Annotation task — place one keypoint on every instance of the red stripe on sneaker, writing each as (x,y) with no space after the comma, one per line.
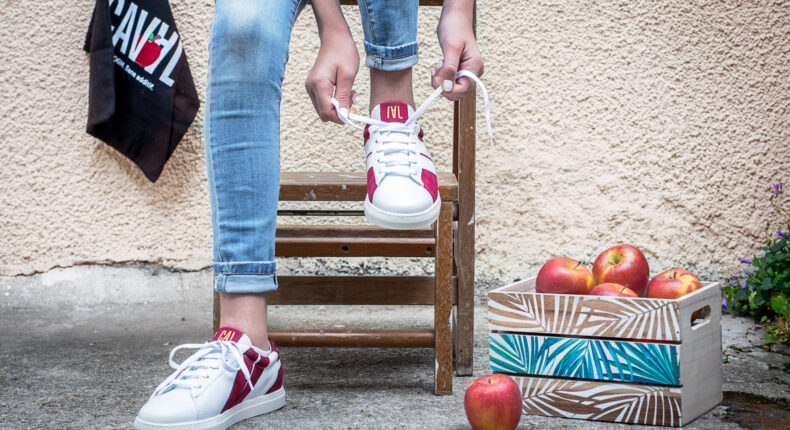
(366,157)
(426,156)
(420,134)
(371,184)
(430,183)
(278,383)
(366,135)
(255,365)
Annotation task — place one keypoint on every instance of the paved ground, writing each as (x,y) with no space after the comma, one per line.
(67,362)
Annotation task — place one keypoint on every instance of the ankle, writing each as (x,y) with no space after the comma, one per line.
(246,312)
(390,86)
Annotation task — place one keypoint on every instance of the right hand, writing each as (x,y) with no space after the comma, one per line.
(333,74)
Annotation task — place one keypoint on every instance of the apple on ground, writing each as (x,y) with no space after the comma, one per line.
(612,289)
(562,275)
(672,284)
(493,402)
(624,265)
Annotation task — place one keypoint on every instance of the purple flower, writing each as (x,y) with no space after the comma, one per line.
(724,304)
(777,188)
(747,273)
(780,234)
(736,276)
(745,261)
(743,284)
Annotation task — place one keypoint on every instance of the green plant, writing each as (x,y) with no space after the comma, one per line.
(762,289)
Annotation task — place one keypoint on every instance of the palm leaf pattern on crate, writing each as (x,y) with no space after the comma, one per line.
(595,359)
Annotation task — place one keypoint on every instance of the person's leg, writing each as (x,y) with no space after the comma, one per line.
(390,28)
(402,185)
(248,52)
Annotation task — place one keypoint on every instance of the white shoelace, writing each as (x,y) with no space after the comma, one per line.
(399,153)
(190,374)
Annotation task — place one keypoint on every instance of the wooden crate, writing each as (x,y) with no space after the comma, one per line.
(627,360)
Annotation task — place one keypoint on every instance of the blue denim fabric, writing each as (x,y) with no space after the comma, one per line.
(248,49)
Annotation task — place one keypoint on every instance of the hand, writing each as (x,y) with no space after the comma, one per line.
(459,47)
(333,74)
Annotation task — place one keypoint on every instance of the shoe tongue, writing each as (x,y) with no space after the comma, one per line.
(232,335)
(392,112)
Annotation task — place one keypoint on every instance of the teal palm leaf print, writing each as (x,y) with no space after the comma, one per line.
(609,360)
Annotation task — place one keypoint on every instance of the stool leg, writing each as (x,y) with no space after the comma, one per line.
(443,346)
(217,312)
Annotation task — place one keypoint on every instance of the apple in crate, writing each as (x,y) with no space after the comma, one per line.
(624,265)
(562,275)
(672,284)
(493,402)
(611,289)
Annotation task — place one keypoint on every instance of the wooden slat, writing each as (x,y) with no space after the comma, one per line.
(344,186)
(352,241)
(353,290)
(465,251)
(443,350)
(602,401)
(318,212)
(354,338)
(215,320)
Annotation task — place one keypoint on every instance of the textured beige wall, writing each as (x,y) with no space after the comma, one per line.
(655,124)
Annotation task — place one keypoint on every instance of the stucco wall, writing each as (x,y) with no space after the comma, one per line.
(654,124)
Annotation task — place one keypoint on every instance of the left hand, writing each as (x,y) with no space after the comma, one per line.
(459,47)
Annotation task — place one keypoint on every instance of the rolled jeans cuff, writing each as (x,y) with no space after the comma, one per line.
(390,58)
(252,277)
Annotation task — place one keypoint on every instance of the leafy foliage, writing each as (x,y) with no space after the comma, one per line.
(762,289)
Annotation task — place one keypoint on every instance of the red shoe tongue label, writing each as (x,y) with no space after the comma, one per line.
(228,334)
(394,112)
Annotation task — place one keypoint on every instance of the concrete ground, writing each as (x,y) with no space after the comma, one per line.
(77,354)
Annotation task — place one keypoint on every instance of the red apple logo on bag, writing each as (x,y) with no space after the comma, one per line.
(149,52)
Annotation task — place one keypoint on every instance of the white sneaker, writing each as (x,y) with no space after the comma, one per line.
(402,188)
(225,381)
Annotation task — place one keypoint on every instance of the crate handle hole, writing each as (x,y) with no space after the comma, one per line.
(700,317)
(345,248)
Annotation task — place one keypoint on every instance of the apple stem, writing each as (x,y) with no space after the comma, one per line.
(578,263)
(623,289)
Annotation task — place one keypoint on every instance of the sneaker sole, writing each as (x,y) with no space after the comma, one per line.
(402,221)
(248,409)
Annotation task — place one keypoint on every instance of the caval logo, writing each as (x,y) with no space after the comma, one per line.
(225,335)
(146,40)
(393,112)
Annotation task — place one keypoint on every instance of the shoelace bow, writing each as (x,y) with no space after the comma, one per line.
(398,154)
(209,354)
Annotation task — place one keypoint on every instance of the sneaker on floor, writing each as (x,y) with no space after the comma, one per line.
(225,381)
(402,186)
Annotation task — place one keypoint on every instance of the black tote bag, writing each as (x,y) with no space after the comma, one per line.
(141,97)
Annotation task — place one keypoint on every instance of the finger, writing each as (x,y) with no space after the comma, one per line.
(343,88)
(446,73)
(323,102)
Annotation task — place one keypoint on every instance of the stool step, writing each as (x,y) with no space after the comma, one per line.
(354,338)
(344,186)
(352,241)
(355,290)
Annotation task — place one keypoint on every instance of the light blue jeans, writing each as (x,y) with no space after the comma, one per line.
(248,49)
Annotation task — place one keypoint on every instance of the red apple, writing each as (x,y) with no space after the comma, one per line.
(493,402)
(150,50)
(672,284)
(624,265)
(610,289)
(562,275)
